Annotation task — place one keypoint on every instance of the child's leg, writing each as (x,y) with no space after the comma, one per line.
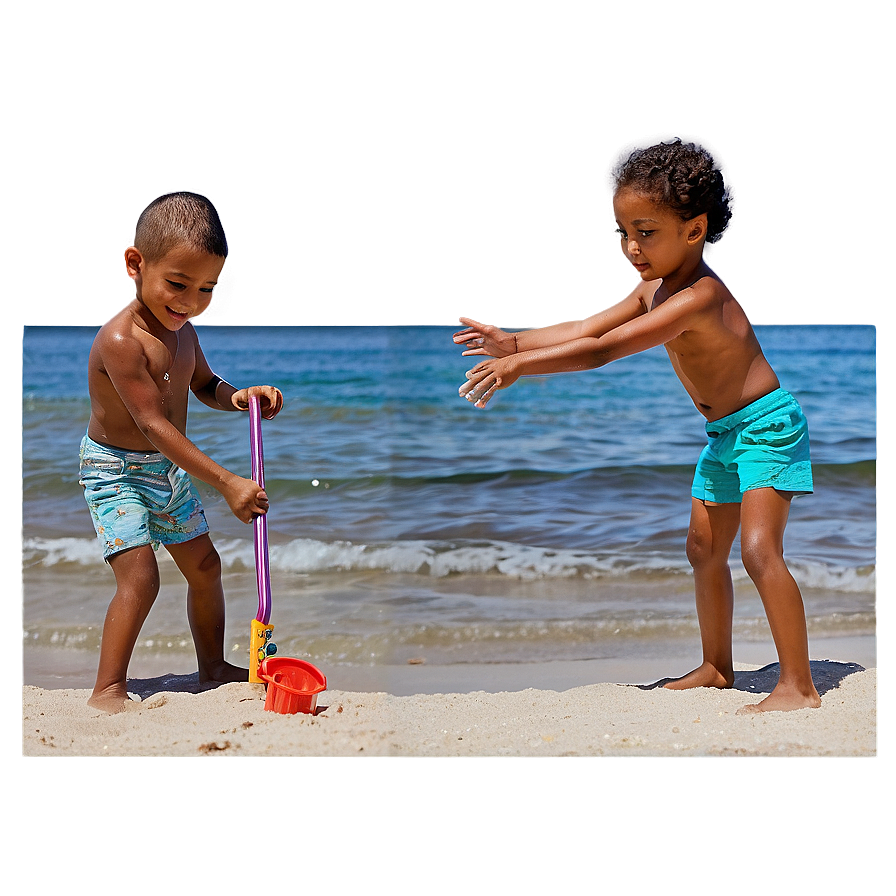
(199,562)
(764,515)
(137,585)
(710,536)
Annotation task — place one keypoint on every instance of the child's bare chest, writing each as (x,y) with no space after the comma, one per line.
(170,362)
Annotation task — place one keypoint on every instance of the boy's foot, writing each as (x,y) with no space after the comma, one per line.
(111,701)
(222,673)
(783,699)
(704,676)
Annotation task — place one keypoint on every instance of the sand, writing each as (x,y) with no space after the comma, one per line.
(172,716)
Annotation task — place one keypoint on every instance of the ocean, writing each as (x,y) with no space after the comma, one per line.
(408,528)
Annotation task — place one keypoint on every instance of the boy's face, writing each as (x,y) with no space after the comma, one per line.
(654,238)
(176,287)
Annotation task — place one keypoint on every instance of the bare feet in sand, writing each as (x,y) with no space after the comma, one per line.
(115,698)
(111,701)
(783,699)
(704,676)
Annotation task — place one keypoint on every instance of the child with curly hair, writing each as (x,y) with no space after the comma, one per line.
(669,200)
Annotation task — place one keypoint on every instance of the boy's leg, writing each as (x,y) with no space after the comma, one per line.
(711,533)
(201,566)
(137,585)
(764,515)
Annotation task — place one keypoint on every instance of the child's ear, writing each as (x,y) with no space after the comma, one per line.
(134,261)
(697,228)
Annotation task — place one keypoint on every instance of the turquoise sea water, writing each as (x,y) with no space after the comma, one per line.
(406,523)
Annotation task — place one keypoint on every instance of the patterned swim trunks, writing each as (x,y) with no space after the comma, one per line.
(137,498)
(764,445)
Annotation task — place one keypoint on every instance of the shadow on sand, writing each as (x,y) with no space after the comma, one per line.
(179,684)
(826,674)
(169,683)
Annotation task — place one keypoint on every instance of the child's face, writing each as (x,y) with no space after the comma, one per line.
(654,238)
(176,287)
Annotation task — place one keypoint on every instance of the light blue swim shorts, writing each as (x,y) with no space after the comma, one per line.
(137,499)
(764,445)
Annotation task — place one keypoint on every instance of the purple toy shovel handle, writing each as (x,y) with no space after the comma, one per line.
(260,523)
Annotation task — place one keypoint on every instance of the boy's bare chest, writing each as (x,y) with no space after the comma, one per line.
(169,363)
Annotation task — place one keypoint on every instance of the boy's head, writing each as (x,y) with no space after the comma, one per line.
(179,220)
(682,176)
(177,257)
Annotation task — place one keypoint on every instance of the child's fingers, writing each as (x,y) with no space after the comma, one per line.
(480,385)
(271,400)
(261,506)
(484,399)
(474,330)
(466,335)
(469,385)
(274,398)
(483,368)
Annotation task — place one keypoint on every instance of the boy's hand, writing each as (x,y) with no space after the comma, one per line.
(271,400)
(485,379)
(484,339)
(246,499)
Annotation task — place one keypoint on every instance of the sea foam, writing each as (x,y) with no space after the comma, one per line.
(438,559)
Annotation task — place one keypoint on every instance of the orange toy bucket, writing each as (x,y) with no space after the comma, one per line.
(292,685)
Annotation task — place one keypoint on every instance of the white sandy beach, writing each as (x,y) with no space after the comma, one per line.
(169,718)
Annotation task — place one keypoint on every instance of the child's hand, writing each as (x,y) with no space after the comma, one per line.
(483,339)
(270,397)
(246,499)
(485,378)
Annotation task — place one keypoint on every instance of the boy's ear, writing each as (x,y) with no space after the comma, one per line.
(697,228)
(134,261)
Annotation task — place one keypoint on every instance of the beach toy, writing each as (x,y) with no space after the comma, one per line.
(260,644)
(292,685)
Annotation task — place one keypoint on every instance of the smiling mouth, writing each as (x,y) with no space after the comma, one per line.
(180,315)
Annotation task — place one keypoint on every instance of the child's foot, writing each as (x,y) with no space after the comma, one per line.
(111,701)
(704,676)
(784,699)
(222,673)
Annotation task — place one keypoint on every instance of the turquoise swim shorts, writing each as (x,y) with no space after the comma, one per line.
(764,445)
(137,499)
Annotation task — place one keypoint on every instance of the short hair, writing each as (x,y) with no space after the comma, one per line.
(178,219)
(682,176)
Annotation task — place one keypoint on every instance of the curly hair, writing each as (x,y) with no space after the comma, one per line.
(177,219)
(682,176)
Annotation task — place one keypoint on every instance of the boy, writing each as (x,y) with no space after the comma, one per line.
(136,460)
(669,201)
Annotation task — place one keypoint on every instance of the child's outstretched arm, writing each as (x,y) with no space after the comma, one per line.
(484,339)
(632,331)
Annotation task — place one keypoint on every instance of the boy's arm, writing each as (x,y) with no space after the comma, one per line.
(126,364)
(587,352)
(216,393)
(483,339)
